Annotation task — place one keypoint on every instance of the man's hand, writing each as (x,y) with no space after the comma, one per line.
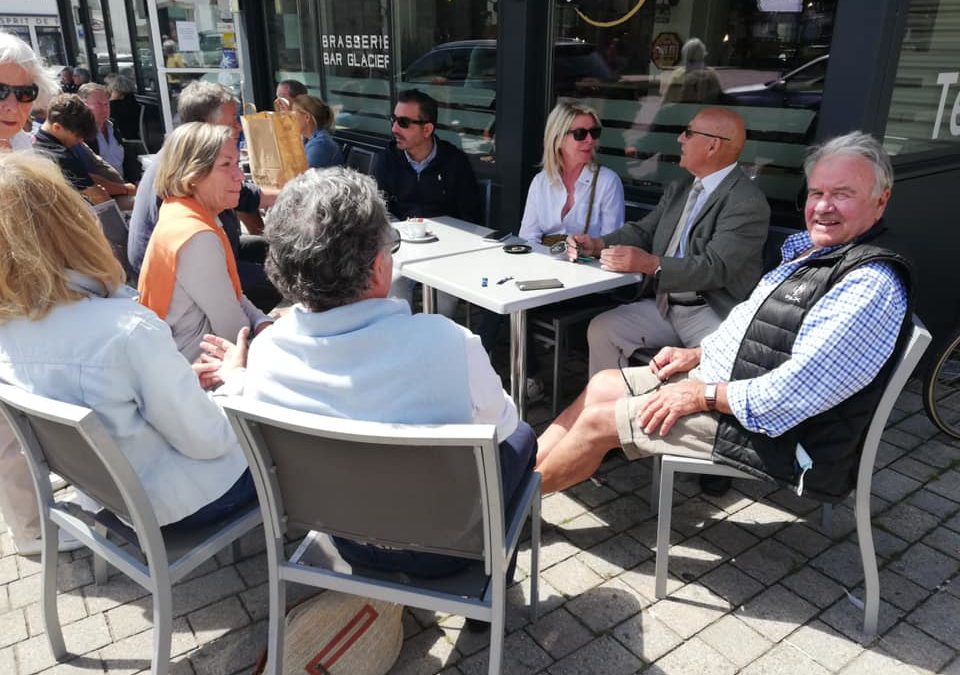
(95,194)
(672,360)
(583,244)
(220,357)
(628,259)
(668,404)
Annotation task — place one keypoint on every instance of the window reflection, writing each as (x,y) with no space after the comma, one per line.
(648,67)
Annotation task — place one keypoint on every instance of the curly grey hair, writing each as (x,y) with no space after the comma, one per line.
(325,231)
(16,51)
(200,101)
(856,144)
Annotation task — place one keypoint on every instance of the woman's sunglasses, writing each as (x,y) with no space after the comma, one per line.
(580,134)
(405,122)
(26,93)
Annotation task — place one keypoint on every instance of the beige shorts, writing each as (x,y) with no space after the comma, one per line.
(692,435)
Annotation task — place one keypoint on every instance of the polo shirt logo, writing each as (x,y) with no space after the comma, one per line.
(796,295)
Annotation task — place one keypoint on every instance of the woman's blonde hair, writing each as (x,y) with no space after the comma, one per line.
(46,229)
(558,124)
(189,154)
(316,108)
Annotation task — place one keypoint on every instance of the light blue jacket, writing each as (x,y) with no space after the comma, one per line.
(118,358)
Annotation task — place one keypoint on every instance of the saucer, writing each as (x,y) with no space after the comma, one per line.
(410,239)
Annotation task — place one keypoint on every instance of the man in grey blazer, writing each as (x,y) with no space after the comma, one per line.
(701,248)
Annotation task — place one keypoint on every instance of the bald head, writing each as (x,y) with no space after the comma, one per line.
(718,138)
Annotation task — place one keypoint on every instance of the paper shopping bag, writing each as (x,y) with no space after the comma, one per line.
(275,147)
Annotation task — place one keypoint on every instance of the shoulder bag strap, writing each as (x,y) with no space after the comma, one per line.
(593,194)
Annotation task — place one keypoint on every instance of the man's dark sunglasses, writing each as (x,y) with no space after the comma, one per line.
(405,122)
(688,133)
(580,134)
(26,93)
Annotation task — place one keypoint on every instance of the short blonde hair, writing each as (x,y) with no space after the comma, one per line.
(189,154)
(558,124)
(46,229)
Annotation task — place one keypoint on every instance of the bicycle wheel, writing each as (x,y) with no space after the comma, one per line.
(941,389)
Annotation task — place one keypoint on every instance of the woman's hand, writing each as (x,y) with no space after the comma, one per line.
(220,358)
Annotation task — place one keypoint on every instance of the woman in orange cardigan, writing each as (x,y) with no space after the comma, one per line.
(189,275)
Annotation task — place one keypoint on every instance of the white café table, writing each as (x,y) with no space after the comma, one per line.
(461,275)
(453,236)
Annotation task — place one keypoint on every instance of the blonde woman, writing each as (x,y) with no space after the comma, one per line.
(69,331)
(573,194)
(316,120)
(189,274)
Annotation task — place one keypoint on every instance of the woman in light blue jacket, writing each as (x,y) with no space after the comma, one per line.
(70,330)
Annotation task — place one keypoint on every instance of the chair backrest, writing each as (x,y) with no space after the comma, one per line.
(360,159)
(426,488)
(114,227)
(70,440)
(907,360)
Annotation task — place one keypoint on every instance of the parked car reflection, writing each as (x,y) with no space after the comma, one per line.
(800,88)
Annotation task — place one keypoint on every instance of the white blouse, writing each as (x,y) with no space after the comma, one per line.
(546,198)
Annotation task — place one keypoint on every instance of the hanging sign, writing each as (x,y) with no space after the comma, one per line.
(356,51)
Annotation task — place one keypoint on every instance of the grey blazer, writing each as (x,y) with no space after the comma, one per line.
(724,257)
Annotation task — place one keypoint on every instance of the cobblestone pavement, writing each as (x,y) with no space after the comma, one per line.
(756,587)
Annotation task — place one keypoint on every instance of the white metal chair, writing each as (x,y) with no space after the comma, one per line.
(114,227)
(422,488)
(71,441)
(665,466)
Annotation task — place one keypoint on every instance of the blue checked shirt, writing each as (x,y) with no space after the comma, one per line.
(843,343)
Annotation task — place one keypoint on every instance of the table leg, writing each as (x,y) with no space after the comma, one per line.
(429,300)
(518,361)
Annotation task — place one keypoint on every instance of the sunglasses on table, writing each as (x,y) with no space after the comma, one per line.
(405,122)
(26,93)
(580,134)
(689,133)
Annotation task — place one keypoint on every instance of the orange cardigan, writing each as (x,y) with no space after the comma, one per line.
(180,218)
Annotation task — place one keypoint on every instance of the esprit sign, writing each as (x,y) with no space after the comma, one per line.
(945,80)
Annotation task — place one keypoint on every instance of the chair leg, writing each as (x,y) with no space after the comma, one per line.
(162,627)
(558,348)
(49,557)
(237,551)
(826,519)
(871,578)
(535,557)
(100,570)
(655,483)
(664,513)
(498,621)
(276,622)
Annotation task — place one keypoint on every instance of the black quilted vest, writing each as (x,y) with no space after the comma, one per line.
(833,439)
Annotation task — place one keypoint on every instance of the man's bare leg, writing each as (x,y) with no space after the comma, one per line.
(605,386)
(579,453)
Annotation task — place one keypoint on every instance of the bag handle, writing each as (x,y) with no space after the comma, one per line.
(593,194)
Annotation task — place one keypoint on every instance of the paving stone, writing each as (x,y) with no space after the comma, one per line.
(690,609)
(131,618)
(909,401)
(788,499)
(762,519)
(13,627)
(694,515)
(84,636)
(604,606)
(591,494)
(803,538)
(935,453)
(603,656)
(731,584)
(642,577)
(945,541)
(769,561)
(83,665)
(874,661)
(925,566)
(4,599)
(69,606)
(8,569)
(554,548)
(938,617)
(735,640)
(841,562)
(8,663)
(729,537)
(622,513)
(693,558)
(893,486)
(646,636)
(946,485)
(572,577)
(217,619)
(256,601)
(464,641)
(901,438)
(757,489)
(776,612)
(585,531)
(613,556)
(952,669)
(824,645)
(559,508)
(887,454)
(900,591)
(646,534)
(253,570)
(521,656)
(693,655)
(847,618)
(907,522)
(22,592)
(119,589)
(784,658)
(914,647)
(518,602)
(559,633)
(729,502)
(915,469)
(197,593)
(233,652)
(814,587)
(628,478)
(133,654)
(928,501)
(33,655)
(919,425)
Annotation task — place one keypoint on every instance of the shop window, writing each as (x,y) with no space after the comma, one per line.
(648,67)
(924,110)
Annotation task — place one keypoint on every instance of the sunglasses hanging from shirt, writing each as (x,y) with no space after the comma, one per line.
(26,93)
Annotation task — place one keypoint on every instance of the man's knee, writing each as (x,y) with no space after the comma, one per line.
(598,426)
(598,330)
(605,386)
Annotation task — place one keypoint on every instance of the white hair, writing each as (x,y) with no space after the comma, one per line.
(16,51)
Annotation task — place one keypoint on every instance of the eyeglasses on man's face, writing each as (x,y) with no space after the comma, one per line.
(580,133)
(689,133)
(404,122)
(26,93)
(393,243)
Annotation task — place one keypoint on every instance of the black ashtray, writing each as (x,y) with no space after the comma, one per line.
(517,248)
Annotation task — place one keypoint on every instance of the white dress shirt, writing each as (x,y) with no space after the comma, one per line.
(546,199)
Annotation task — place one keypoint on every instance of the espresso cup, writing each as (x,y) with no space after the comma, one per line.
(416,228)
